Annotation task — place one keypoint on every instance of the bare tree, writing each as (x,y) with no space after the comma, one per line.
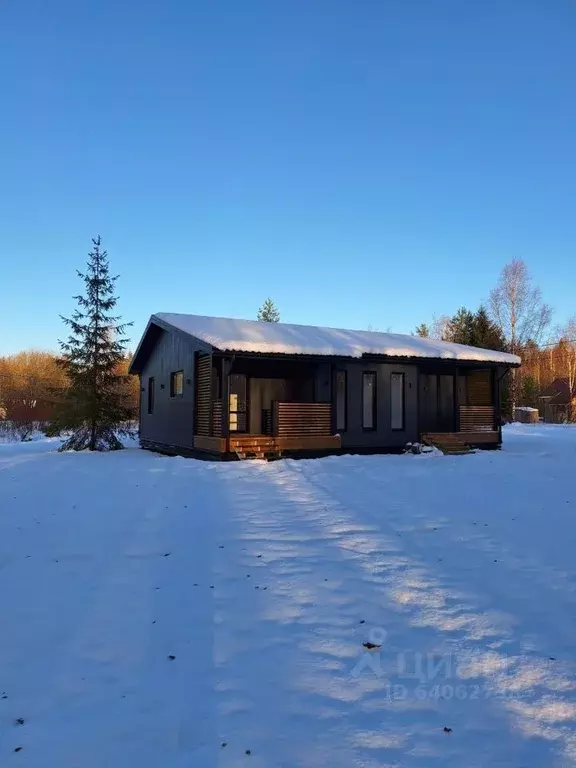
(440,327)
(517,307)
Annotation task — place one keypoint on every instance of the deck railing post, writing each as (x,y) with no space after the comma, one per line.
(457,401)
(225,397)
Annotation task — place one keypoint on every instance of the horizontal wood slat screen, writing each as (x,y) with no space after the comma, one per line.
(301,419)
(203,394)
(474,418)
(217,418)
(479,388)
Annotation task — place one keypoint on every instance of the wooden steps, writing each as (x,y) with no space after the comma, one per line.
(254,447)
(450,443)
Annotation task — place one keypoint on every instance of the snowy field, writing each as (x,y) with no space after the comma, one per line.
(163,612)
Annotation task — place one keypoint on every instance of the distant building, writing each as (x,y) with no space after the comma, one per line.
(556,403)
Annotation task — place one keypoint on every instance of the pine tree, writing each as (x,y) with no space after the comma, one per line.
(423,331)
(485,333)
(474,329)
(460,328)
(95,406)
(268,312)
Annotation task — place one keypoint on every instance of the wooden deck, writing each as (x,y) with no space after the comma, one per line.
(263,445)
(260,446)
(460,442)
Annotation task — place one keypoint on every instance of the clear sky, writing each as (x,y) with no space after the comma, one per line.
(363,162)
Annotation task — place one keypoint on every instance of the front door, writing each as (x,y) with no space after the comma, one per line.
(238,403)
(436,399)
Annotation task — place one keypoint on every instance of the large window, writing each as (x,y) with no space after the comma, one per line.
(340,401)
(397,400)
(177,384)
(369,400)
(151,394)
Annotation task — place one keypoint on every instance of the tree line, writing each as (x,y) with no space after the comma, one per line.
(515,319)
(85,392)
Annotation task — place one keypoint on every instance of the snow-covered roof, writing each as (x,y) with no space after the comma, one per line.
(231,335)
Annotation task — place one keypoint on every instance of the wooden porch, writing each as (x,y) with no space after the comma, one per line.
(477,427)
(289,427)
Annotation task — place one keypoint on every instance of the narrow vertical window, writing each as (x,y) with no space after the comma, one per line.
(177,384)
(397,400)
(369,400)
(151,394)
(340,401)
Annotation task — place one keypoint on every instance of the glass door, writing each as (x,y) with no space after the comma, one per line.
(238,403)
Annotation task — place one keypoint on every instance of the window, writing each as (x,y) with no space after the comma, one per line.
(369,400)
(151,394)
(340,401)
(397,400)
(177,384)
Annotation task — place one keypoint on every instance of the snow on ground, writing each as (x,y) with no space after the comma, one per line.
(263,581)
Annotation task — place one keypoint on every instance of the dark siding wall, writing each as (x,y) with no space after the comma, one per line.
(173,419)
(322,383)
(383,436)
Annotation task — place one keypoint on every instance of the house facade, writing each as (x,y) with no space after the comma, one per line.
(219,387)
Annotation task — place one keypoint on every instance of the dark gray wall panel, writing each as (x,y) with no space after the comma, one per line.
(383,436)
(173,419)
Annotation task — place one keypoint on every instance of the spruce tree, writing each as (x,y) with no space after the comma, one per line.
(485,333)
(460,328)
(423,331)
(95,406)
(268,312)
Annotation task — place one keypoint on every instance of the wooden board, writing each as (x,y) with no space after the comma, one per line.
(476,418)
(203,394)
(465,438)
(217,418)
(302,419)
(479,388)
(267,444)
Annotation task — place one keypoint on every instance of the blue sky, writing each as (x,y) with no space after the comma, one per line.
(364,163)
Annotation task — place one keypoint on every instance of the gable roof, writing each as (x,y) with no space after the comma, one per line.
(229,335)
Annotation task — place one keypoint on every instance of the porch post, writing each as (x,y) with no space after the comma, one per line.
(496,398)
(225,397)
(457,400)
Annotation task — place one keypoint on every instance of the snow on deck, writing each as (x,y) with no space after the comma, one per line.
(231,335)
(263,581)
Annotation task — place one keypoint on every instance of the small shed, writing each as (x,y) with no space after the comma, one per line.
(526,415)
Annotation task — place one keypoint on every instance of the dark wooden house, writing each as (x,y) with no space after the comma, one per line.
(224,388)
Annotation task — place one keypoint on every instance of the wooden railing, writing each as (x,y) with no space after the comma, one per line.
(266,421)
(217,417)
(203,395)
(301,419)
(477,418)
